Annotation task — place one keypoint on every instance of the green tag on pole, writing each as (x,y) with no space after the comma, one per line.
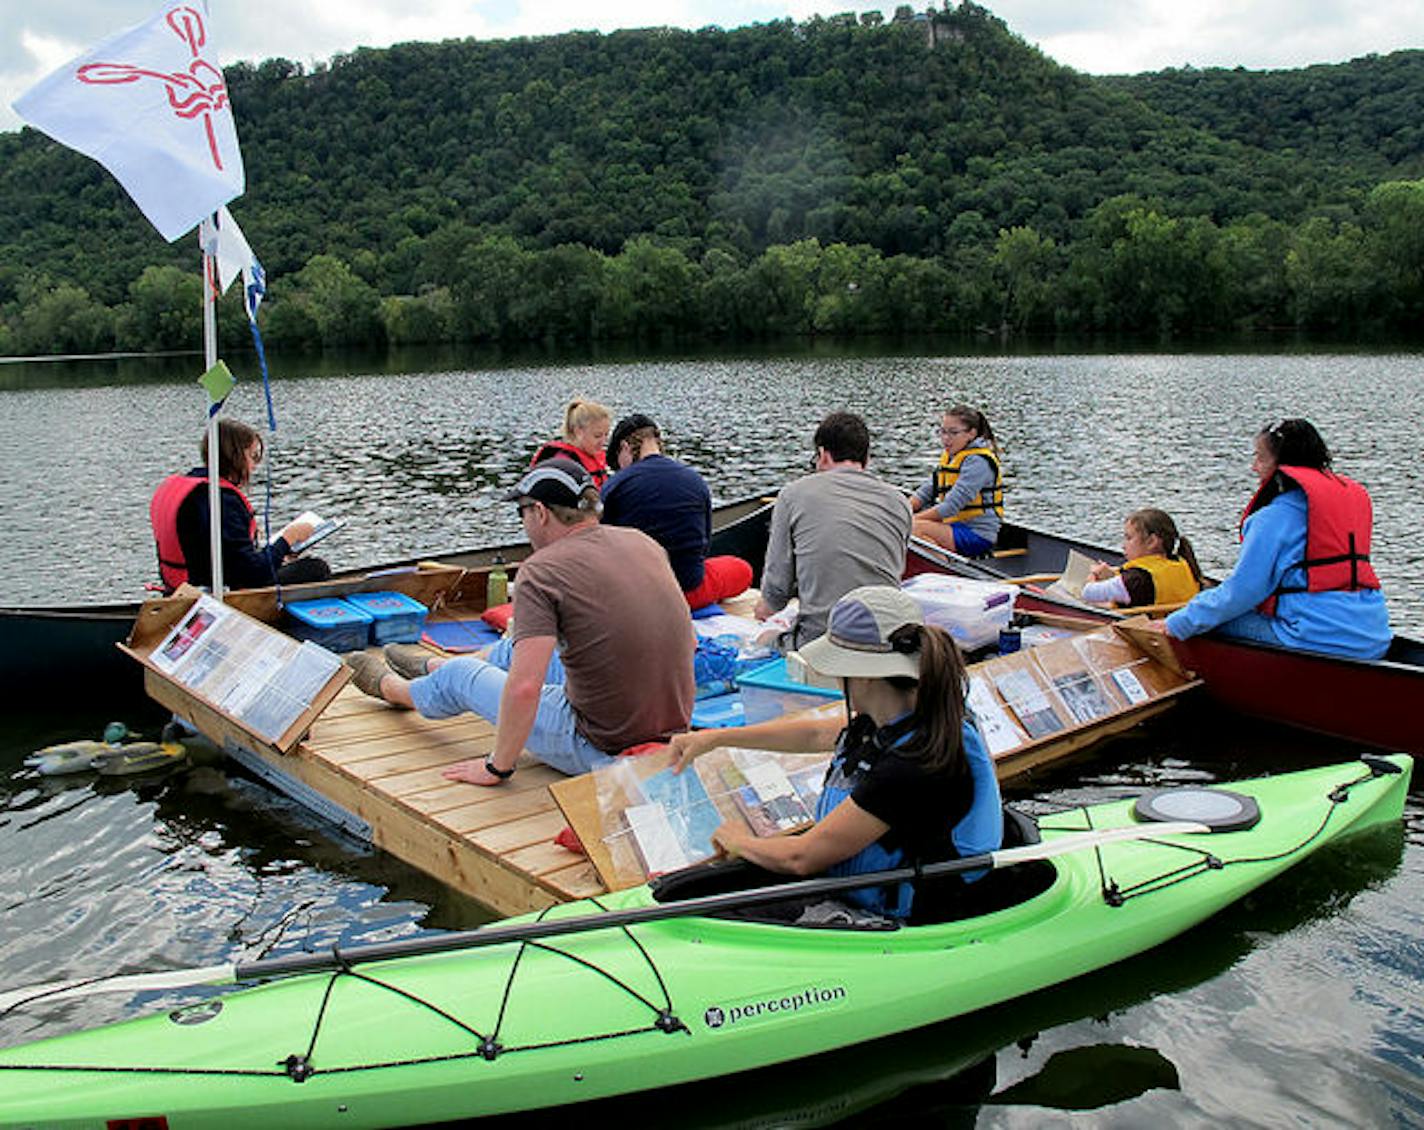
(218,381)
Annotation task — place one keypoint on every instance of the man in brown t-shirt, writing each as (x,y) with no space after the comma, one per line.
(607,598)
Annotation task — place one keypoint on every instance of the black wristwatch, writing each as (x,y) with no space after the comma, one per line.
(502,774)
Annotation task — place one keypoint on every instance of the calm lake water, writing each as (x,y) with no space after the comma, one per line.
(1302,1006)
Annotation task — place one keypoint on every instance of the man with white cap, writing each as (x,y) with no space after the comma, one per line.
(607,598)
(911,780)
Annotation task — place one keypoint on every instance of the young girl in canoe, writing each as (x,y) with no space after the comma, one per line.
(910,781)
(1160,567)
(586,427)
(961,505)
(1304,578)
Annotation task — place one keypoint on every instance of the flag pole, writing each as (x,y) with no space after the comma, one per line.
(210,358)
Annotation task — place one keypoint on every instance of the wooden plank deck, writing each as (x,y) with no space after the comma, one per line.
(495,844)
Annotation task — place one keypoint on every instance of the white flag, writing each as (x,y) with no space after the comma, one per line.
(151,106)
(228,246)
(233,255)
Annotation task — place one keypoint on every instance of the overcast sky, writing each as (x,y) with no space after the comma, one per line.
(1098,36)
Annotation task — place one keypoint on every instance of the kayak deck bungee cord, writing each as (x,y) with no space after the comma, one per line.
(626,993)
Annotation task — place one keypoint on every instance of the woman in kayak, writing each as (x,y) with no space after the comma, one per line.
(1304,578)
(1160,567)
(961,505)
(910,780)
(585,438)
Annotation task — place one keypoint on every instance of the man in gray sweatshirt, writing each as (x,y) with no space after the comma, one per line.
(834,530)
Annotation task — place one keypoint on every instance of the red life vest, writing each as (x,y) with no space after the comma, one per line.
(595,465)
(172,492)
(1339,518)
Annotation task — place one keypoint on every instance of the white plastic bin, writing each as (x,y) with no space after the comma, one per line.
(973,612)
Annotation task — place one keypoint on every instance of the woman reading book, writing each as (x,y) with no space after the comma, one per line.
(179,514)
(910,780)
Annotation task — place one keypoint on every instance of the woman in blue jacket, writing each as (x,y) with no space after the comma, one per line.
(1304,578)
(910,780)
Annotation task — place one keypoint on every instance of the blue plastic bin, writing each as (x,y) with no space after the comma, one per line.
(397,618)
(767,693)
(719,713)
(331,622)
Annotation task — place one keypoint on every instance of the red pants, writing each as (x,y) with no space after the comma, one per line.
(722,577)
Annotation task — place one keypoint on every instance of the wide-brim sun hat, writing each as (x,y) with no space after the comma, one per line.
(857,640)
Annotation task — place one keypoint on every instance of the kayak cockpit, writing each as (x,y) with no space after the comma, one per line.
(991,892)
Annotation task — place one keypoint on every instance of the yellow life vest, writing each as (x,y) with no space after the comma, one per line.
(1172,580)
(947,473)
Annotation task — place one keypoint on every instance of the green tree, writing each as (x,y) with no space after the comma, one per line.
(1022,262)
(344,309)
(1330,274)
(64,319)
(165,311)
(1394,219)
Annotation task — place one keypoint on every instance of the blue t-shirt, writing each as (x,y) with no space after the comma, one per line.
(670,503)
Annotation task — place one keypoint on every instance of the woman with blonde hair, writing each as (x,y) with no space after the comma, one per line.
(585,437)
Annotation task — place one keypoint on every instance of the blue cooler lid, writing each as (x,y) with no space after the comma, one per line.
(719,713)
(385,605)
(329,612)
(772,676)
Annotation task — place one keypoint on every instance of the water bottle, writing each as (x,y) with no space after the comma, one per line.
(497,584)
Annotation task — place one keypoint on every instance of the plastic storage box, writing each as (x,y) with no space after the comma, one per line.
(397,618)
(332,622)
(973,612)
(769,693)
(719,713)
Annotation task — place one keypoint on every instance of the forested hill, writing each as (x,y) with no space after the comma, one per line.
(841,175)
(1368,113)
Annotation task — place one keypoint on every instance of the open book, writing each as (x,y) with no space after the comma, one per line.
(1076,574)
(321,528)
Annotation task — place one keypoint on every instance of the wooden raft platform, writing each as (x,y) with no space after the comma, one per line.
(495,844)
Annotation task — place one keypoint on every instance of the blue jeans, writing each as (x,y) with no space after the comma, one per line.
(1250,626)
(468,684)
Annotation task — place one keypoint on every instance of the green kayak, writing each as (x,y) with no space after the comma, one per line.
(547,1010)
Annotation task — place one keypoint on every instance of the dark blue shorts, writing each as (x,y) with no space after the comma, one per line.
(967,542)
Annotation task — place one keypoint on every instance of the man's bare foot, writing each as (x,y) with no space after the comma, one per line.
(472,772)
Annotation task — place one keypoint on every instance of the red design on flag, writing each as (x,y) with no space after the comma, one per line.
(198,92)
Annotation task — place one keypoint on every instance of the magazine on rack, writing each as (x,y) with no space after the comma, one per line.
(246,669)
